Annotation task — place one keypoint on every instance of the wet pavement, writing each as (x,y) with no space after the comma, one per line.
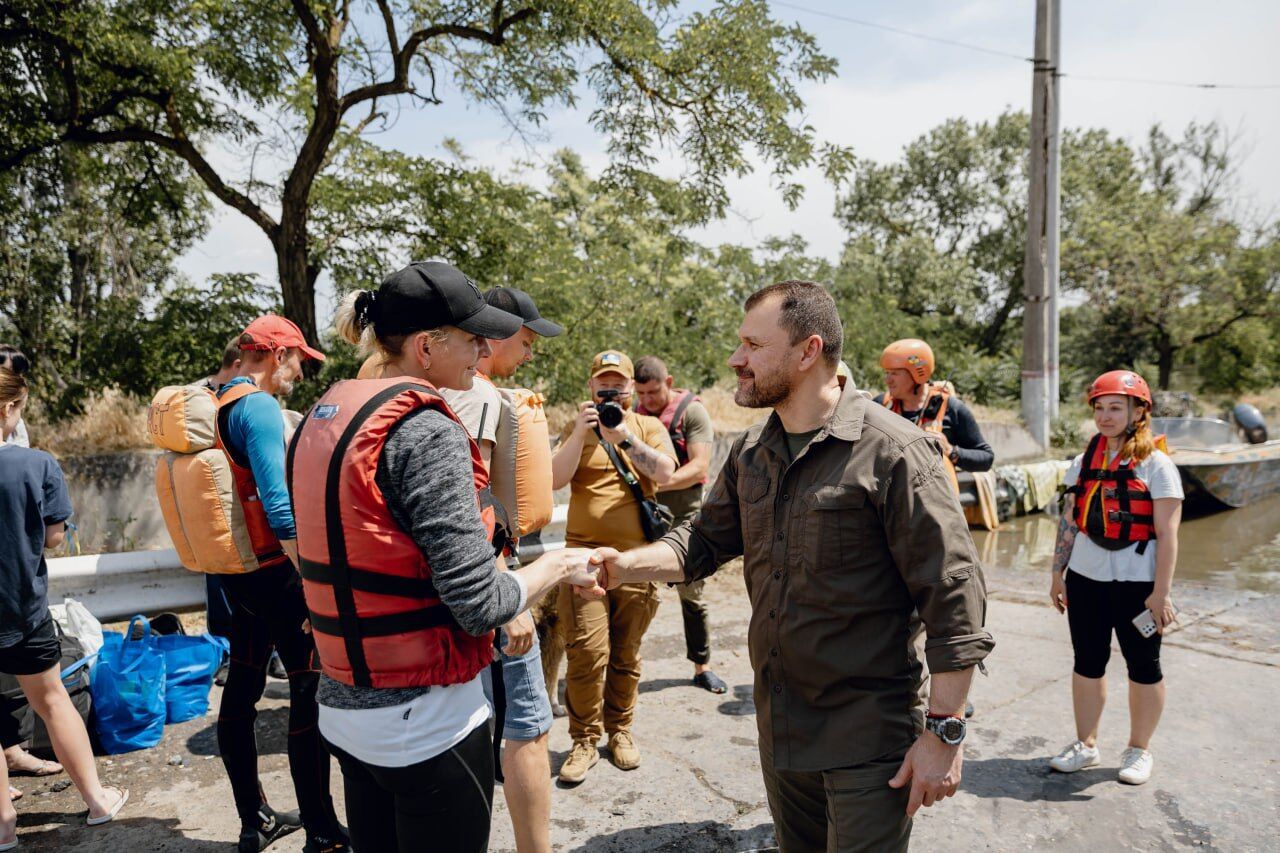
(1217,775)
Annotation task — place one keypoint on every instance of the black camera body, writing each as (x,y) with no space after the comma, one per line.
(611,413)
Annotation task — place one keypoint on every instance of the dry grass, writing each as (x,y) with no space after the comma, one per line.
(111,421)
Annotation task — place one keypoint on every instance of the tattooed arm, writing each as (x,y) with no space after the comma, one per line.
(650,462)
(1067,531)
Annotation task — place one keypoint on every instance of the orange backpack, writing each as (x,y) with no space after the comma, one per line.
(520,469)
(195,485)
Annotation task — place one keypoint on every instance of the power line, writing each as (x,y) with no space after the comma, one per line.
(1142,81)
(1180,84)
(903,32)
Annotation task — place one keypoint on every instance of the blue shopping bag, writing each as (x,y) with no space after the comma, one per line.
(128,687)
(190,664)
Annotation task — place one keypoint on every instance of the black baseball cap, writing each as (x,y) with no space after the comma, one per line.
(521,304)
(432,294)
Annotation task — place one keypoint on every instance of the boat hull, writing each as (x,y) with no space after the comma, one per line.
(1231,476)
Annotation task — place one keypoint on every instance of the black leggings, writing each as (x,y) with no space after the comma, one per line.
(443,803)
(1094,610)
(267,610)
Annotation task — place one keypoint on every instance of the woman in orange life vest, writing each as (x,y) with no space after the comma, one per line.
(908,366)
(1114,560)
(398,565)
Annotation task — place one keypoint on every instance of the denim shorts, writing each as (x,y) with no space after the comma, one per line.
(528,708)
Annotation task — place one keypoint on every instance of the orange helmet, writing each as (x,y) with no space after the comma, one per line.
(1124,382)
(911,355)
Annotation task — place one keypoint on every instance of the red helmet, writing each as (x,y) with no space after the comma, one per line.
(1123,382)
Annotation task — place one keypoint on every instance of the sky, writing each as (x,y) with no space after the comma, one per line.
(891,88)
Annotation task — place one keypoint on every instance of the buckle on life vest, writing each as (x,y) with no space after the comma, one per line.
(1122,516)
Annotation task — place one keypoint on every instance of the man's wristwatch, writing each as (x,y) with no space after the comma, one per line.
(954,455)
(949,729)
(625,444)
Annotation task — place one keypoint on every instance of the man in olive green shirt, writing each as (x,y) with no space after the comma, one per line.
(692,436)
(852,538)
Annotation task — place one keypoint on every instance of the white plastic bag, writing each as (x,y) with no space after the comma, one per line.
(78,622)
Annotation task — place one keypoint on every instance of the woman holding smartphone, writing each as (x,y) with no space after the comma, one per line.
(1113,563)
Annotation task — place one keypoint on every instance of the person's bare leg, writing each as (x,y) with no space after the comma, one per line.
(1146,703)
(526,771)
(1088,697)
(18,758)
(48,698)
(8,814)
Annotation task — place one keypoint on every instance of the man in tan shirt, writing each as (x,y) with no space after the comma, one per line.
(852,538)
(602,636)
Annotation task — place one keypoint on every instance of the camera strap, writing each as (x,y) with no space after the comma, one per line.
(633,483)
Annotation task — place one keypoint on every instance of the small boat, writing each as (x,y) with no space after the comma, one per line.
(1219,468)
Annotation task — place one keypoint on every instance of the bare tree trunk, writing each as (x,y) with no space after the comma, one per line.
(1164,364)
(297,280)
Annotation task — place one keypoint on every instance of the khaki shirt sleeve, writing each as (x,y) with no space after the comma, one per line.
(697,425)
(932,548)
(654,434)
(714,536)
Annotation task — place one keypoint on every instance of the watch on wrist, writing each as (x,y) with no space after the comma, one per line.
(954,455)
(949,729)
(625,444)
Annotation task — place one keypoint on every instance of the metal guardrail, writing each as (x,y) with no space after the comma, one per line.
(116,586)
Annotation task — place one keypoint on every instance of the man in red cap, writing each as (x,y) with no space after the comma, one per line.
(267,605)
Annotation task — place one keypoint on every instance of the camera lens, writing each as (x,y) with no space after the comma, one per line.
(610,414)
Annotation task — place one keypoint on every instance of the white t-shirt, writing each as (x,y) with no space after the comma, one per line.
(478,409)
(412,732)
(1097,563)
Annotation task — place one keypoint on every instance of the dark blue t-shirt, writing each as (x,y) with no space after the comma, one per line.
(33,494)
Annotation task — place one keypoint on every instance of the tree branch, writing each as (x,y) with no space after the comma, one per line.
(399,83)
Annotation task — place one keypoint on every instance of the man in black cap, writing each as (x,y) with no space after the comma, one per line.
(485,411)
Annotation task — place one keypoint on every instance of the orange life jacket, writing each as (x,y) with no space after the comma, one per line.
(1113,506)
(929,418)
(376,616)
(672,418)
(266,547)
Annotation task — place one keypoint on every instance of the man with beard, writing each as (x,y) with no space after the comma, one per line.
(849,527)
(267,606)
(602,636)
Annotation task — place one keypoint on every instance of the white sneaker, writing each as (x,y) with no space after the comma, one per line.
(1075,757)
(1135,766)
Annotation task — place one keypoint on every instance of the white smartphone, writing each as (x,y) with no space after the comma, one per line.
(1145,622)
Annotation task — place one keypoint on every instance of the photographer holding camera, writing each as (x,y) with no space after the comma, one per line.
(614,460)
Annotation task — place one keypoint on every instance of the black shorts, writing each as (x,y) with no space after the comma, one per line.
(1096,610)
(34,653)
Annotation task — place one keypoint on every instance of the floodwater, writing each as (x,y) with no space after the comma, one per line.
(1238,548)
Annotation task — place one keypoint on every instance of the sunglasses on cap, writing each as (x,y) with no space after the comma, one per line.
(15,361)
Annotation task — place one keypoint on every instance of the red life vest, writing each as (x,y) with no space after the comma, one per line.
(263,540)
(1113,506)
(376,616)
(672,418)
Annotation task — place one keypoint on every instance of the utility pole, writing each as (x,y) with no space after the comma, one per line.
(1054,194)
(1039,325)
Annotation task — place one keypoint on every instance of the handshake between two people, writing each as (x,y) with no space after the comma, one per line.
(592,572)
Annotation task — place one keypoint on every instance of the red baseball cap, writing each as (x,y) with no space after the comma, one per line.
(271,331)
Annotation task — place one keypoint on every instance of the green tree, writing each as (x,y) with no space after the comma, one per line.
(186,78)
(87,238)
(1166,267)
